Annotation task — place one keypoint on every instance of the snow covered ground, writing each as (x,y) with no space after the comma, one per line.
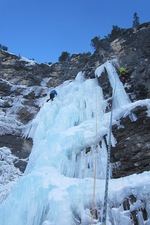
(58,186)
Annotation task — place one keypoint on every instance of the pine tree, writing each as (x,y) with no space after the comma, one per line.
(136,22)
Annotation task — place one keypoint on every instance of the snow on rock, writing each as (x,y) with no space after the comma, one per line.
(29,61)
(9,174)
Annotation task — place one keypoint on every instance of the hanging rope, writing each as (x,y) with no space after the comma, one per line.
(104,215)
(107,172)
(94,189)
(95,169)
(108,165)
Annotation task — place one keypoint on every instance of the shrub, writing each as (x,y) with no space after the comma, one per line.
(64,57)
(95,42)
(4,48)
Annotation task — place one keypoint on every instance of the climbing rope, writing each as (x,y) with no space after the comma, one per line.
(28,114)
(107,172)
(104,215)
(95,169)
(94,189)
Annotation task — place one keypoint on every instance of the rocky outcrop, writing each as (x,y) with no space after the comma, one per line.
(134,55)
(21,71)
(19,147)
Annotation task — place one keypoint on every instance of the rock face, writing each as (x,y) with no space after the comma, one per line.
(134,55)
(132,151)
(24,83)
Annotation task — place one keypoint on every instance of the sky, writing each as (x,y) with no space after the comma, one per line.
(43,29)
(57,186)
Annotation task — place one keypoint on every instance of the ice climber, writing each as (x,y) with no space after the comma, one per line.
(52,95)
(123,74)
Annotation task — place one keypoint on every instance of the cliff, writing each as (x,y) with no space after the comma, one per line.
(24,87)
